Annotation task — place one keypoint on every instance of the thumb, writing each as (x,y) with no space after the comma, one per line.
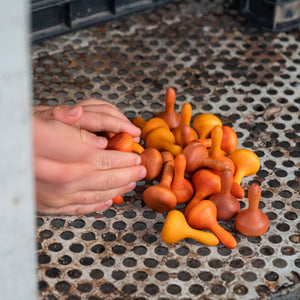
(63,113)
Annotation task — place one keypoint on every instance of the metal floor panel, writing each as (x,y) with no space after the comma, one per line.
(220,64)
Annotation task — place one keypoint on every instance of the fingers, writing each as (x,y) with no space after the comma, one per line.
(63,113)
(93,197)
(110,159)
(77,209)
(85,202)
(106,180)
(91,115)
(82,176)
(55,140)
(100,106)
(93,101)
(89,138)
(64,172)
(54,172)
(81,209)
(97,122)
(105,108)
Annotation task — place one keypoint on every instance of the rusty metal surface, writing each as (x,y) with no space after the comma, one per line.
(220,64)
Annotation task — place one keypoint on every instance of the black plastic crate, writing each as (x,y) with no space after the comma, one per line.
(54,17)
(272,15)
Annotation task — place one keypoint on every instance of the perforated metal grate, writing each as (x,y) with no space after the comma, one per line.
(219,64)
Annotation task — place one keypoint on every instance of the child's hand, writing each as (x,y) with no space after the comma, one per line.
(73,172)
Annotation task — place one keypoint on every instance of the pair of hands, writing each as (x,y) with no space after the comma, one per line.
(74,173)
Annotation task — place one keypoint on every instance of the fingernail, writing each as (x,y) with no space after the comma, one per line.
(132,185)
(138,160)
(102,141)
(143,173)
(108,203)
(73,111)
